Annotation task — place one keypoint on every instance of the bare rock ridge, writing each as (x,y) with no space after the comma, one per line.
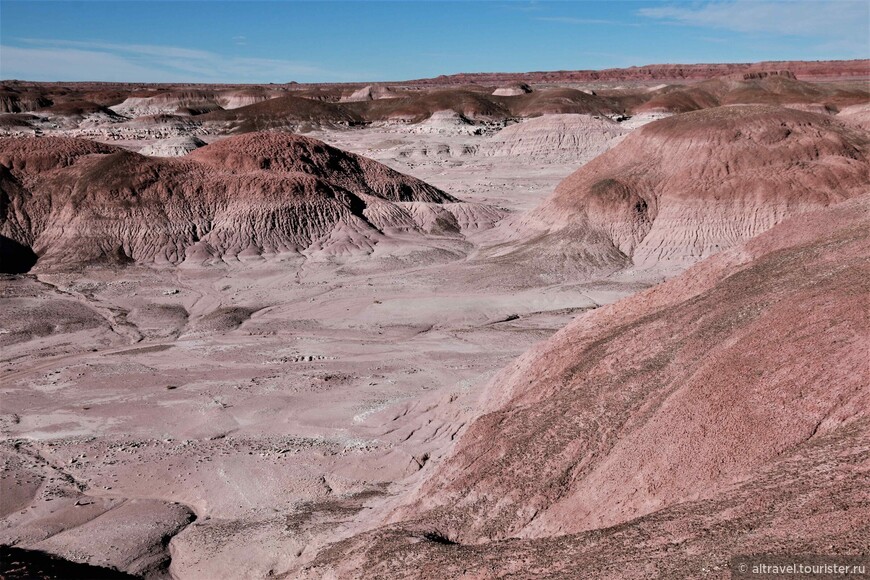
(559,100)
(446,123)
(711,415)
(512,90)
(745,76)
(173,147)
(763,87)
(370,93)
(290,111)
(72,201)
(555,138)
(189,101)
(12,101)
(683,188)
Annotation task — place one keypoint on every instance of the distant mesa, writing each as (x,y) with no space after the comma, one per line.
(286,113)
(242,98)
(561,100)
(678,99)
(569,138)
(14,101)
(160,125)
(74,202)
(447,122)
(370,93)
(804,70)
(760,87)
(190,102)
(512,90)
(762,74)
(168,102)
(419,106)
(172,147)
(78,108)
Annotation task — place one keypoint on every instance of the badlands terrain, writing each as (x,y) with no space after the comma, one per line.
(580,324)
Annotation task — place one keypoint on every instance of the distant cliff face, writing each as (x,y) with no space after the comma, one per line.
(805,70)
(555,139)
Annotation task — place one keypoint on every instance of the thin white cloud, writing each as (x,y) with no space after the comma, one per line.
(573,20)
(533,6)
(67,60)
(713,39)
(819,18)
(137,49)
(45,64)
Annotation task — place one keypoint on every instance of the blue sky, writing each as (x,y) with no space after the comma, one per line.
(325,41)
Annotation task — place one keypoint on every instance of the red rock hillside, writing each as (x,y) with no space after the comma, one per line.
(683,188)
(73,202)
(723,412)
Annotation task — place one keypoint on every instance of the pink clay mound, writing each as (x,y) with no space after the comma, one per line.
(656,429)
(686,187)
(77,201)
